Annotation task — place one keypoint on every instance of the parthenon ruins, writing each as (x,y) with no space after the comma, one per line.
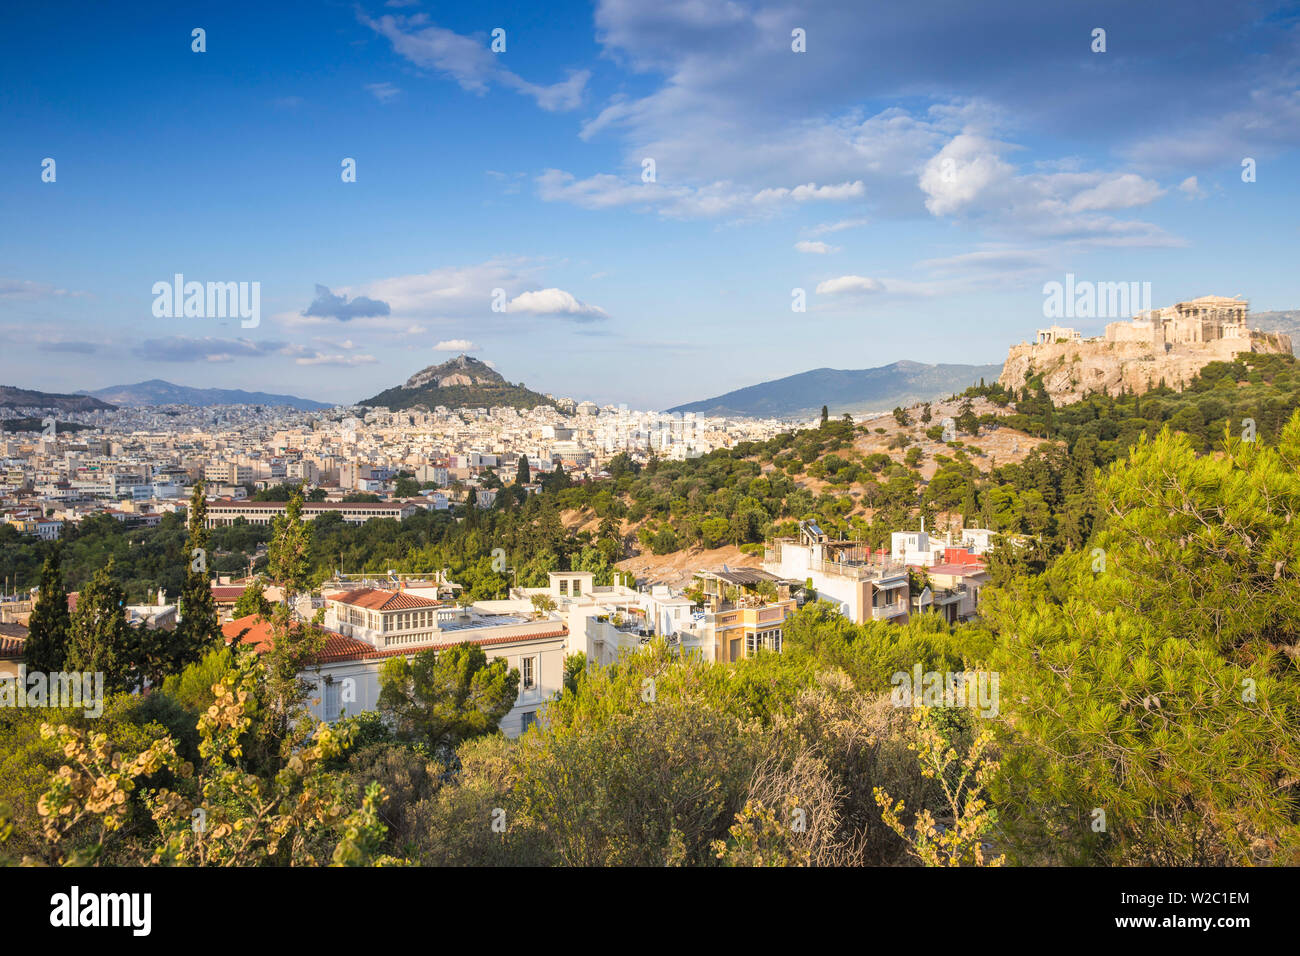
(1207,319)
(1169,345)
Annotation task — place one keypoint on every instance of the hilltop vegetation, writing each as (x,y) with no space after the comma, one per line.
(1146,641)
(1145,715)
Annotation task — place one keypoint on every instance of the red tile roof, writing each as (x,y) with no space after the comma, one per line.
(376,599)
(339,647)
(227,592)
(250,629)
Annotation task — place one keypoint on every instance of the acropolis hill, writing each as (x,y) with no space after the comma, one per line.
(1170,344)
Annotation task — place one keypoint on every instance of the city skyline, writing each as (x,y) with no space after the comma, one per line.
(921,184)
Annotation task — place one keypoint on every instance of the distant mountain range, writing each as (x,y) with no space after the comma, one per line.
(844,390)
(11,397)
(459,382)
(1288,322)
(157,392)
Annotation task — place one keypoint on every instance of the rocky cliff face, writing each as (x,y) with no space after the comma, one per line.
(462,370)
(1071,370)
(462,382)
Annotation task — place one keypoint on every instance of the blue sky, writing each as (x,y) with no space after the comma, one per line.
(920,171)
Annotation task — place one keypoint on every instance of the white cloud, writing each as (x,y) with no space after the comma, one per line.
(816,248)
(959,173)
(450,292)
(456,345)
(553,302)
(851,285)
(723,72)
(853,190)
(1117,192)
(969,180)
(1190,188)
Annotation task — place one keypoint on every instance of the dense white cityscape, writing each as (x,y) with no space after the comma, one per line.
(139,462)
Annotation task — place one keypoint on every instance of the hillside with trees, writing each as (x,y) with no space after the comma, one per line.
(1146,716)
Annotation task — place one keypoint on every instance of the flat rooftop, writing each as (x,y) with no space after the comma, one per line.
(481,620)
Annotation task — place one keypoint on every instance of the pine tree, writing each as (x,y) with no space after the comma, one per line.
(197,631)
(289,554)
(47,638)
(295,643)
(100,637)
(252,601)
(1149,674)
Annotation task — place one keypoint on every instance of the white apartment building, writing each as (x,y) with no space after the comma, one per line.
(922,549)
(865,585)
(370,625)
(603,621)
(978,540)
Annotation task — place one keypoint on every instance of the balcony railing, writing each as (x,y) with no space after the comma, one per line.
(886,611)
(858,572)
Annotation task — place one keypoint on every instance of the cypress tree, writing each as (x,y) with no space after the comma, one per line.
(47,639)
(524,475)
(197,631)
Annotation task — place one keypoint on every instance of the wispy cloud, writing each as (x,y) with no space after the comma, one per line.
(382,91)
(26,289)
(212,349)
(470,61)
(606,191)
(815,247)
(850,285)
(181,348)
